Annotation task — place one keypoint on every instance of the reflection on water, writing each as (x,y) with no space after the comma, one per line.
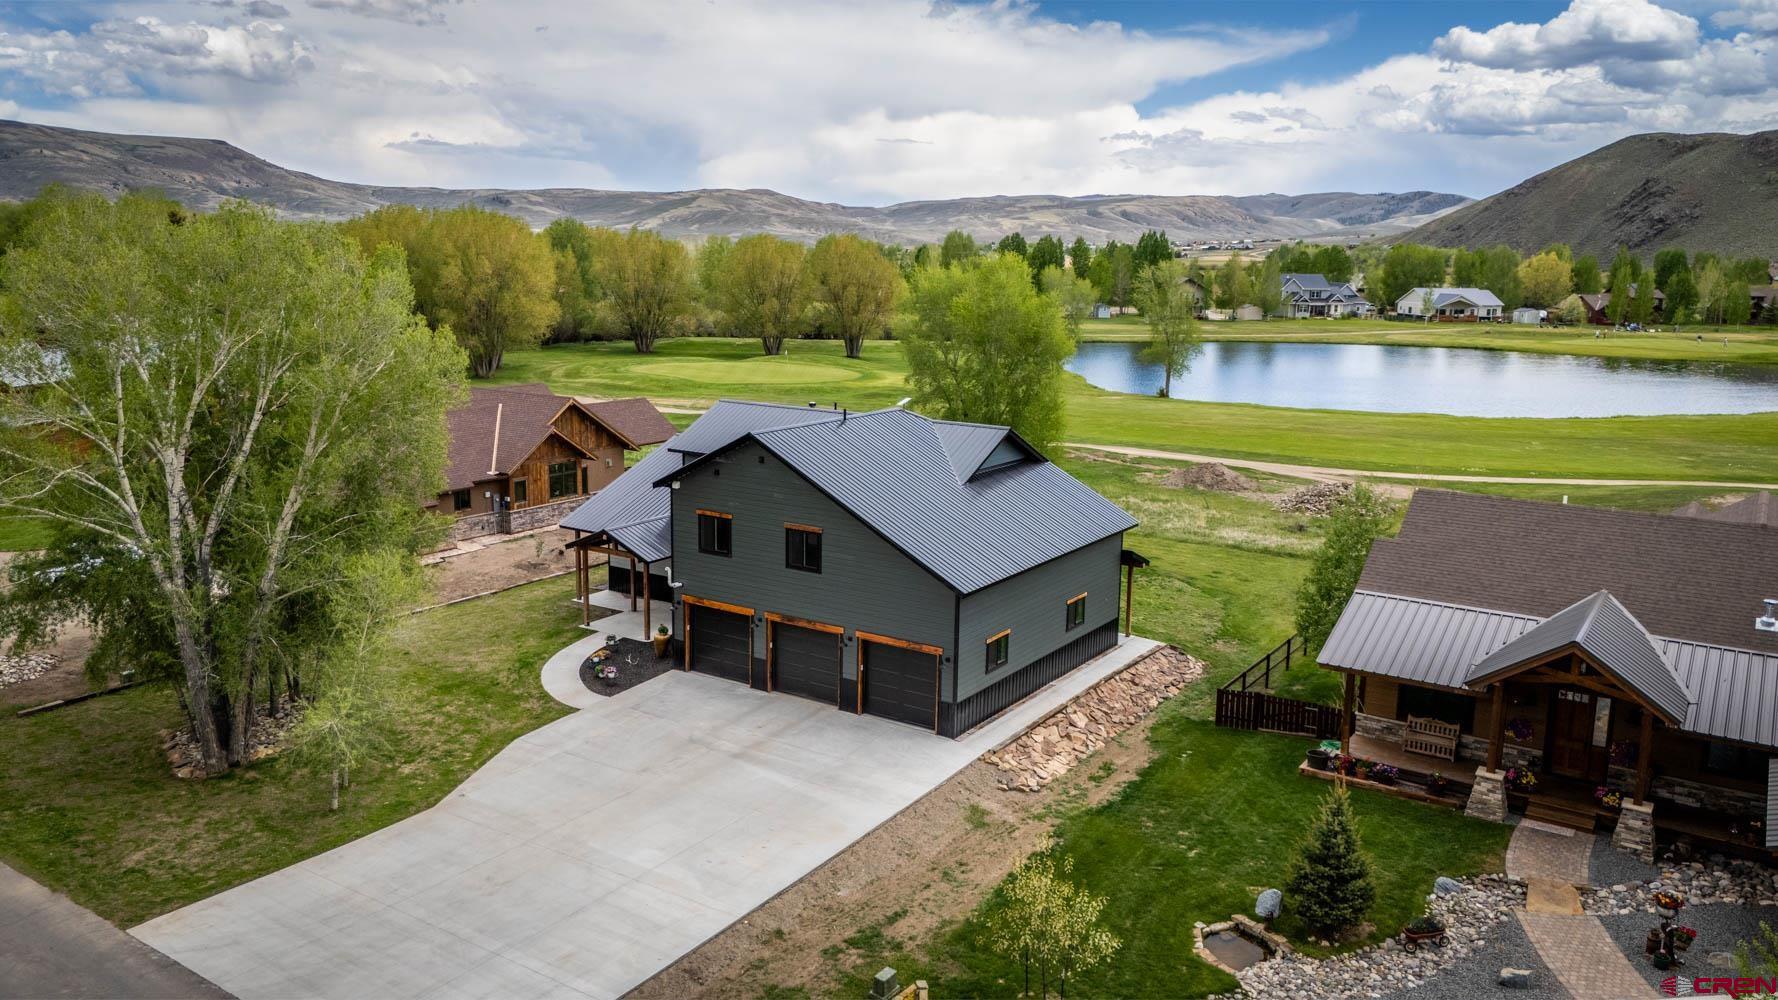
(1458,381)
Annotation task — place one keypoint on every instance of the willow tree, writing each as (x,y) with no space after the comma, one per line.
(649,292)
(232,409)
(1169,307)
(856,288)
(764,290)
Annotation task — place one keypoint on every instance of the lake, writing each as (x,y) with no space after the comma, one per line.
(1454,380)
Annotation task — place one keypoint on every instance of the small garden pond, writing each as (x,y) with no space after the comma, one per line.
(1458,381)
(1235,950)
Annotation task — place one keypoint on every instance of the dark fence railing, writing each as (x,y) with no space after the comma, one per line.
(1257,710)
(1260,674)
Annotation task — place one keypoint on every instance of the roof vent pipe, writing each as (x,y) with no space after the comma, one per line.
(1768,622)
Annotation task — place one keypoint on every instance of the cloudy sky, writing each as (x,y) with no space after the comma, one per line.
(878,101)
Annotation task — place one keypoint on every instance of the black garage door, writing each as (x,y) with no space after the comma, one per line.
(806,662)
(900,684)
(719,643)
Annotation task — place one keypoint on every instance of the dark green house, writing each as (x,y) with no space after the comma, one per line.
(926,571)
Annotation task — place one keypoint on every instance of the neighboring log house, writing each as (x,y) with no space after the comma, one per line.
(522,456)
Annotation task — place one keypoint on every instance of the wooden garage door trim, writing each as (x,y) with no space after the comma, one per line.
(936,652)
(733,609)
(773,618)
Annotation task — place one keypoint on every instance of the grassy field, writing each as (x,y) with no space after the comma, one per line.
(1216,817)
(1736,344)
(88,805)
(696,371)
(18,534)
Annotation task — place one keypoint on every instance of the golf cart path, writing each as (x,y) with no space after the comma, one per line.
(1326,473)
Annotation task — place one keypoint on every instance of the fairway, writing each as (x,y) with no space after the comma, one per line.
(694,372)
(762,370)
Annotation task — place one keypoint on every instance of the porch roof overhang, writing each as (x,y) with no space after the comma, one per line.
(1607,636)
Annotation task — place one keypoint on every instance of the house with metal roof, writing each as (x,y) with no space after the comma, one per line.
(1451,305)
(1561,653)
(926,571)
(1309,296)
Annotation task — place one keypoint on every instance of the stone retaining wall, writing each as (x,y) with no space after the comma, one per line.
(509,522)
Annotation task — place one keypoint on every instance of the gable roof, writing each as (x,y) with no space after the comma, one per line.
(1599,626)
(494,431)
(631,509)
(634,419)
(893,470)
(1306,281)
(731,418)
(1444,296)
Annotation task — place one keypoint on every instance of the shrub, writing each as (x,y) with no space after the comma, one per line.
(1331,883)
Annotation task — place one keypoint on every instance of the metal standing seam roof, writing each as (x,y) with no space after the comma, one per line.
(1732,693)
(1606,631)
(892,470)
(731,418)
(631,509)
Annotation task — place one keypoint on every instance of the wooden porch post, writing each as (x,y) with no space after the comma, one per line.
(647,603)
(584,578)
(1499,725)
(1645,757)
(632,583)
(1346,717)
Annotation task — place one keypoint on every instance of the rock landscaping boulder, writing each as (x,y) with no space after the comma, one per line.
(26,667)
(1443,886)
(1269,904)
(1051,747)
(1515,979)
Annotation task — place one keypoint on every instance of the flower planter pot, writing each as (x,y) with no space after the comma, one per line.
(1653,944)
(1681,942)
(660,644)
(1320,759)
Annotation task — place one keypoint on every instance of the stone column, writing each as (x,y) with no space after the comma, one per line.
(1487,799)
(1636,830)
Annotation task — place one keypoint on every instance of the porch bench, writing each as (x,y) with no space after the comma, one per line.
(1430,737)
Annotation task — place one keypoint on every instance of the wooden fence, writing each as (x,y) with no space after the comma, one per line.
(1257,710)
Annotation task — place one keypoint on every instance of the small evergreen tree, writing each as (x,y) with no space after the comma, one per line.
(1330,887)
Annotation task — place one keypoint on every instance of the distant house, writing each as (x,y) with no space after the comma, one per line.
(1528,316)
(1451,305)
(1598,306)
(1312,296)
(1101,311)
(1764,297)
(1249,312)
(522,456)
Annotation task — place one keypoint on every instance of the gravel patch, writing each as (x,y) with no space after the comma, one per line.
(635,662)
(26,667)
(1610,866)
(1720,927)
(1478,974)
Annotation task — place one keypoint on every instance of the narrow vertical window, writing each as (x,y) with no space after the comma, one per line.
(999,649)
(802,548)
(1077,612)
(715,532)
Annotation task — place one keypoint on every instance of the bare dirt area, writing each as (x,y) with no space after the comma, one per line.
(1210,476)
(66,679)
(496,562)
(929,866)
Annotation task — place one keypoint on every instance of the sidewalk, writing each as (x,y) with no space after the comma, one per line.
(56,948)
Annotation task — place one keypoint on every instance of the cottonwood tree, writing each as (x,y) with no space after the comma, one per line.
(1012,243)
(484,275)
(1169,307)
(1587,279)
(1359,518)
(765,290)
(647,282)
(235,407)
(855,288)
(1268,285)
(1080,257)
(1330,886)
(983,346)
(1046,253)
(577,248)
(1073,296)
(1545,280)
(958,248)
(1233,290)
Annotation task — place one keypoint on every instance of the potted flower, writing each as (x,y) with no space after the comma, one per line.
(1668,903)
(1426,929)
(1610,798)
(661,636)
(1437,784)
(1319,758)
(1683,938)
(1361,769)
(1519,729)
(607,673)
(1385,774)
(1522,780)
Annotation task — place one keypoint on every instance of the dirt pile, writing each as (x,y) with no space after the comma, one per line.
(1315,499)
(1057,743)
(1209,476)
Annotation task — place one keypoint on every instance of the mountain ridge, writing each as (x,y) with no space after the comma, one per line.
(202,173)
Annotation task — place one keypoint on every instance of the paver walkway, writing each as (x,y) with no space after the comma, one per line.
(1575,946)
(51,946)
(590,853)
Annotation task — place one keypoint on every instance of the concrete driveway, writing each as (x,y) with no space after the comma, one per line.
(589,854)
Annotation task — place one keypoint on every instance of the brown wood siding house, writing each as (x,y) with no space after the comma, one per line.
(521,455)
(1595,649)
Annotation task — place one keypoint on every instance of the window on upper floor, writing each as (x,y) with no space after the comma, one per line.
(715,533)
(802,547)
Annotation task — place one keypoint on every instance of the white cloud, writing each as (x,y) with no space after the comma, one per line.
(119,55)
(419,12)
(1755,15)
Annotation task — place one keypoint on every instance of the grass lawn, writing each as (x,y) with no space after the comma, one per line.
(1214,819)
(696,371)
(19,534)
(88,805)
(1735,344)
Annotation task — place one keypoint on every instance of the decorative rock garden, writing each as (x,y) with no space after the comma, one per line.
(1716,880)
(621,664)
(1056,744)
(26,667)
(1470,917)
